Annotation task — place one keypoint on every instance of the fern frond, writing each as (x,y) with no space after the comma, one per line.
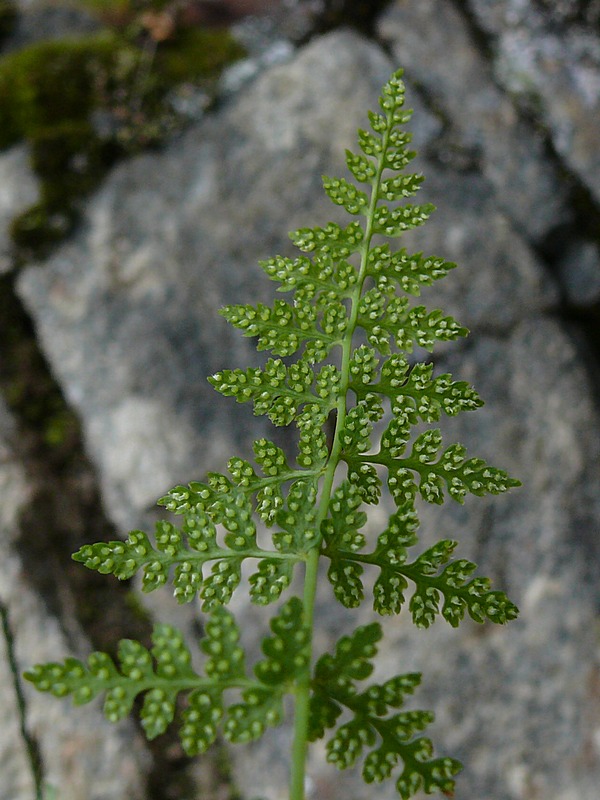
(387,318)
(319,279)
(348,286)
(186,550)
(332,240)
(415,395)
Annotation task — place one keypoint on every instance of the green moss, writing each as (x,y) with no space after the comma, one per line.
(54,92)
(197,53)
(48,83)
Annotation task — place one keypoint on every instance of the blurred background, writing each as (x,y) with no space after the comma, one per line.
(151,152)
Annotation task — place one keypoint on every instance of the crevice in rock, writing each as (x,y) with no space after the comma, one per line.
(480,37)
(333,14)
(582,321)
(31,744)
(66,512)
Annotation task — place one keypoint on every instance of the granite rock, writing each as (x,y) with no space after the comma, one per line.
(555,68)
(484,132)
(579,274)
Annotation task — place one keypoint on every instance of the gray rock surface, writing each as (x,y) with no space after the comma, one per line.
(126,314)
(83,757)
(555,68)
(484,132)
(579,274)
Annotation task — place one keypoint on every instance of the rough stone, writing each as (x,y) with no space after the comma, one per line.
(82,756)
(126,314)
(555,69)
(484,132)
(579,274)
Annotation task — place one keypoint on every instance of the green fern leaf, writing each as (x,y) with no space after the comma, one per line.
(287,651)
(414,393)
(226,660)
(391,553)
(384,319)
(313,450)
(186,551)
(332,240)
(284,329)
(452,470)
(342,526)
(364,476)
(161,674)
(343,193)
(273,577)
(297,520)
(352,661)
(400,186)
(458,593)
(225,665)
(355,435)
(279,391)
(198,495)
(363,169)
(201,719)
(248,720)
(395,221)
(287,655)
(362,369)
(433,582)
(273,463)
(320,279)
(410,272)
(345,578)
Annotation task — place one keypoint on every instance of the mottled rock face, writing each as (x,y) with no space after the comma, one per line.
(126,313)
(556,67)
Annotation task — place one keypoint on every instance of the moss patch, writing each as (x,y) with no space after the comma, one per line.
(83,102)
(195,53)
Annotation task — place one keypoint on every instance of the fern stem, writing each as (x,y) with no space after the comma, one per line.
(302,702)
(301,716)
